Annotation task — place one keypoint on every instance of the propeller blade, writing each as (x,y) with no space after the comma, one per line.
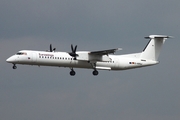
(72,48)
(50,48)
(73,51)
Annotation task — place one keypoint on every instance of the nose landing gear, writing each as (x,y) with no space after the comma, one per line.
(14,66)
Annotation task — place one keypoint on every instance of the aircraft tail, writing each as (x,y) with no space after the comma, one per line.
(153,48)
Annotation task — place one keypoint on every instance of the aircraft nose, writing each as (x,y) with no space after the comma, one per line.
(10,59)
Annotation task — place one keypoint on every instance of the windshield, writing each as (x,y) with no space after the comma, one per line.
(21,53)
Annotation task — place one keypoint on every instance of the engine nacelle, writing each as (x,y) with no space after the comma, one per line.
(85,56)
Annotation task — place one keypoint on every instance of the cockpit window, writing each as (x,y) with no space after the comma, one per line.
(21,53)
(18,53)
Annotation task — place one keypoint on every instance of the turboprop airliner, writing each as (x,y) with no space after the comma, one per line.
(96,60)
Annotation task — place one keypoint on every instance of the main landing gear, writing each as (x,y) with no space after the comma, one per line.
(73,73)
(14,66)
(95,72)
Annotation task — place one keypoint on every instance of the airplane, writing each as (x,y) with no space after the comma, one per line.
(96,60)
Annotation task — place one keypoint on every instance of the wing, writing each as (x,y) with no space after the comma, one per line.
(101,55)
(105,52)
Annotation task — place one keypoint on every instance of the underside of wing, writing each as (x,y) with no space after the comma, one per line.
(105,52)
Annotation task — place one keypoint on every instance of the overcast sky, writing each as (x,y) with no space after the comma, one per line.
(50,93)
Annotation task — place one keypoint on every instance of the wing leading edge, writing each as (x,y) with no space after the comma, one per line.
(105,52)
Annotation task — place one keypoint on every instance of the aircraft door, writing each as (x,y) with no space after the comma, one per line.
(34,57)
(116,63)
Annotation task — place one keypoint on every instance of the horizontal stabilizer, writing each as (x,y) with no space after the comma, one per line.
(157,36)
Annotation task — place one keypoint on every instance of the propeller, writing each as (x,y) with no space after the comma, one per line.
(73,53)
(51,50)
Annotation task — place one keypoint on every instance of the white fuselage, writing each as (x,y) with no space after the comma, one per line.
(63,59)
(97,60)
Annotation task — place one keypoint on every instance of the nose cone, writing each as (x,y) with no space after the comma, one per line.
(10,59)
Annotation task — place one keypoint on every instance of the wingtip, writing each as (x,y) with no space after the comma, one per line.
(119,49)
(170,36)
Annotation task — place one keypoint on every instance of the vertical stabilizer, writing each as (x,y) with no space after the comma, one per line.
(153,48)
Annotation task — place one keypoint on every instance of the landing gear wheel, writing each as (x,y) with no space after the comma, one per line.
(14,67)
(72,73)
(95,72)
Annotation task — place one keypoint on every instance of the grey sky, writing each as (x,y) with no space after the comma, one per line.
(32,92)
